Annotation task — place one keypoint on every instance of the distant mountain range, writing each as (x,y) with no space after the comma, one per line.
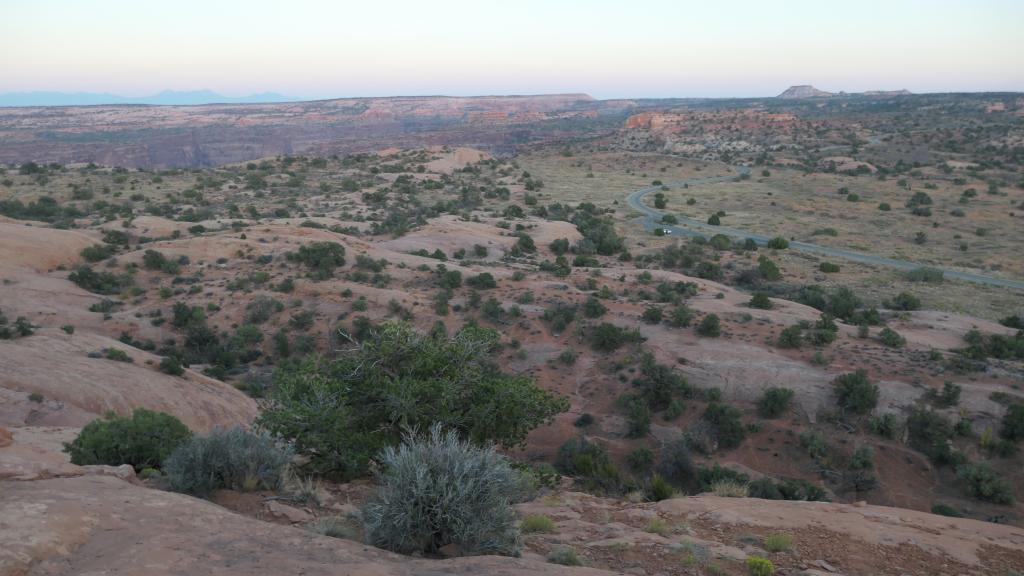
(808,91)
(165,98)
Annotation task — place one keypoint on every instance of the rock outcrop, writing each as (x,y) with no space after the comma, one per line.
(103,525)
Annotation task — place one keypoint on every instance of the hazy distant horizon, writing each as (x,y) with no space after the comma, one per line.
(194,98)
(313,49)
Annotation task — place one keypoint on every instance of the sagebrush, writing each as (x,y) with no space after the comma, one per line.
(436,490)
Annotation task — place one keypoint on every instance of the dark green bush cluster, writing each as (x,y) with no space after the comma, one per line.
(761,301)
(99,282)
(930,433)
(726,426)
(1012,425)
(904,301)
(925,274)
(891,338)
(143,440)
(710,326)
(559,316)
(774,402)
(98,252)
(607,337)
(981,346)
(153,260)
(855,393)
(839,302)
(19,329)
(589,463)
(787,489)
(340,412)
(983,483)
(482,281)
(321,258)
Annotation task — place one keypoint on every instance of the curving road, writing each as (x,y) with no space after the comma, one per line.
(651,219)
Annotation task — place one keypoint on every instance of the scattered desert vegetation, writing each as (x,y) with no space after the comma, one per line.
(433,350)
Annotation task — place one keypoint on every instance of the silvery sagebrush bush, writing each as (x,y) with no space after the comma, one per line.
(437,489)
(232,458)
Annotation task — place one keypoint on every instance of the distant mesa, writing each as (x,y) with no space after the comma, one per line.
(808,91)
(804,91)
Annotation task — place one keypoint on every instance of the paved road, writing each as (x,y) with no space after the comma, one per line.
(651,219)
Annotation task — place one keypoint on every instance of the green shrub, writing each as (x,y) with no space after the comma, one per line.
(537,524)
(638,415)
(863,458)
(341,411)
(321,258)
(930,433)
(660,489)
(651,315)
(710,326)
(98,252)
(729,489)
(437,490)
(925,274)
(674,410)
(565,556)
(946,510)
(1012,425)
(778,243)
(567,357)
(774,402)
(905,301)
(657,526)
(855,393)
(608,337)
(143,440)
(640,460)
(828,267)
(676,465)
(758,566)
(118,355)
(153,260)
(593,308)
(707,478)
(559,316)
(983,483)
(948,397)
(99,282)
(482,281)
(171,365)
(886,425)
(778,542)
(232,459)
(791,337)
(761,301)
(589,463)
(891,338)
(333,526)
(725,422)
(681,316)
(788,489)
(659,383)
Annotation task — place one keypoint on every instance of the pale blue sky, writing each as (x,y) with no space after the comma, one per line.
(608,49)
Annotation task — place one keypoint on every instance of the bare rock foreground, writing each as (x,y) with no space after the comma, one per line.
(103,525)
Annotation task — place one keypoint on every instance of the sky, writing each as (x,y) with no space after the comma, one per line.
(624,49)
